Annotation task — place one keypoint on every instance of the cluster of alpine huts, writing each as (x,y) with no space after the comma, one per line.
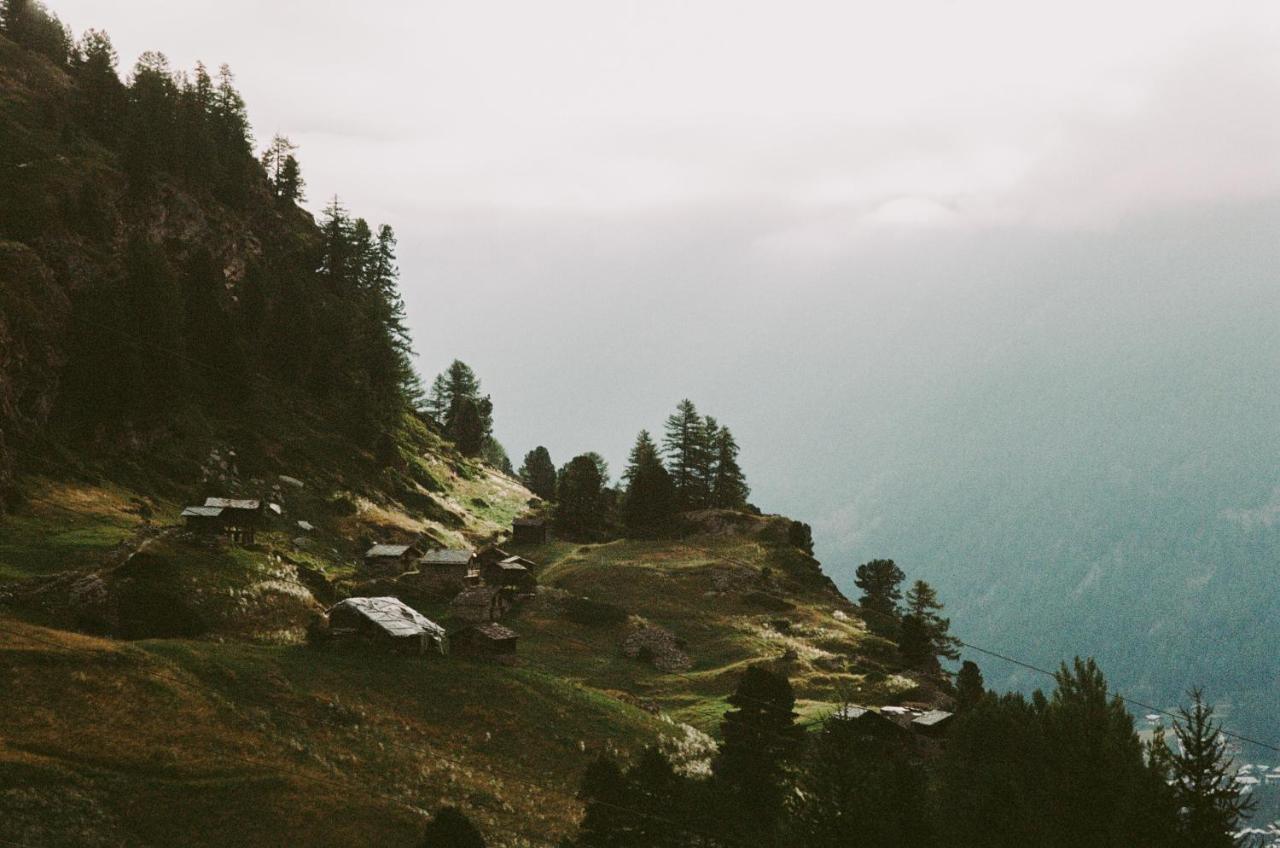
(486,587)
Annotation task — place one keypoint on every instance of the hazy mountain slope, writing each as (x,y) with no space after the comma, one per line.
(1085,459)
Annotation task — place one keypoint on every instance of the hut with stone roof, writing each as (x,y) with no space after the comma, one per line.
(387,623)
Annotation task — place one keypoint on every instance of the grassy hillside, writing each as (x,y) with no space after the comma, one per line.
(258,739)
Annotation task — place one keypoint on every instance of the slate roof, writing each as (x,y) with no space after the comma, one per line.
(529,522)
(931,718)
(233,503)
(202,512)
(447,557)
(493,630)
(394,551)
(393,616)
(517,561)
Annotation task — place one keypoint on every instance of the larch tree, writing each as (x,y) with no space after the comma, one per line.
(880,581)
(649,497)
(729,488)
(580,498)
(923,604)
(538,473)
(970,687)
(688,456)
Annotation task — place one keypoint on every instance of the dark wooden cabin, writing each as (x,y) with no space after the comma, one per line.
(480,604)
(205,520)
(529,531)
(933,724)
(511,573)
(446,565)
(390,560)
(387,623)
(488,639)
(241,517)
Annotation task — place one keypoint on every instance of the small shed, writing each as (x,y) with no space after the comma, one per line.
(875,723)
(390,559)
(205,520)
(241,517)
(490,556)
(446,565)
(387,622)
(480,604)
(529,531)
(488,639)
(512,573)
(934,723)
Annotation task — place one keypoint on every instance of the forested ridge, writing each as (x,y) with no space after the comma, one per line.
(160,275)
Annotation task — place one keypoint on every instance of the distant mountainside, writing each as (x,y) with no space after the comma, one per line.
(1090,464)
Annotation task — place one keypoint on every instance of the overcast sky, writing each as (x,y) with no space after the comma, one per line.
(607,206)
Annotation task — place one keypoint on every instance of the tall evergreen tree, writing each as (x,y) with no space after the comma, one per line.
(760,740)
(539,474)
(688,456)
(283,172)
(580,504)
(1212,804)
(923,604)
(729,488)
(880,581)
(101,98)
(650,495)
(970,686)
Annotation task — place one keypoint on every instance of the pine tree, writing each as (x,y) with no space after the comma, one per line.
(539,474)
(1212,803)
(688,456)
(649,498)
(760,739)
(880,581)
(607,820)
(923,604)
(101,99)
(580,498)
(283,172)
(450,828)
(970,687)
(914,643)
(729,488)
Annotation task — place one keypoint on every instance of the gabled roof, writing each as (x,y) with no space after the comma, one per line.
(932,718)
(395,551)
(516,562)
(233,503)
(493,630)
(392,616)
(202,512)
(446,556)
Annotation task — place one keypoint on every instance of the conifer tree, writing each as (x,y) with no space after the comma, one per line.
(539,474)
(283,172)
(880,581)
(969,686)
(101,99)
(649,492)
(915,645)
(580,498)
(729,488)
(760,740)
(606,820)
(923,604)
(1213,805)
(688,456)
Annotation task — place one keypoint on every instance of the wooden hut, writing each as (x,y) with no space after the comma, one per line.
(933,724)
(480,604)
(490,556)
(241,517)
(488,639)
(205,520)
(390,560)
(511,573)
(448,565)
(388,623)
(529,531)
